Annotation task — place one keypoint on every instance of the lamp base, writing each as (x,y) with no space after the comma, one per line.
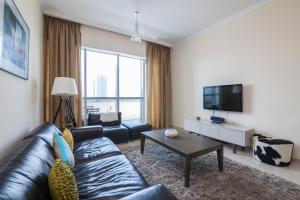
(70,119)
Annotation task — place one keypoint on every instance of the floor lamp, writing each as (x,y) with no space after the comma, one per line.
(65,87)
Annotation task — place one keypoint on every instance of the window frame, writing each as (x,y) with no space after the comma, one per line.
(142,98)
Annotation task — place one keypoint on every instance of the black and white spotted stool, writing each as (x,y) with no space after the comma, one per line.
(272,151)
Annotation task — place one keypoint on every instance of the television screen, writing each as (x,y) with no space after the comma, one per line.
(225,98)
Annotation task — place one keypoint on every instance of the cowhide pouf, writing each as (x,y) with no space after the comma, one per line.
(272,151)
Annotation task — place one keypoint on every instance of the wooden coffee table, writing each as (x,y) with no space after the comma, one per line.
(187,145)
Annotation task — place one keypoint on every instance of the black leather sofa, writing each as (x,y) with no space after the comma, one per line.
(118,131)
(135,127)
(101,171)
(113,130)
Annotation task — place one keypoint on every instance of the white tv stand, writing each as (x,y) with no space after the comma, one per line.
(233,134)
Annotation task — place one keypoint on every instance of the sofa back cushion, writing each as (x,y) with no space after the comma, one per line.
(95,119)
(24,172)
(45,132)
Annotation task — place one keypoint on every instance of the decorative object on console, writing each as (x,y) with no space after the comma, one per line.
(217,120)
(14,41)
(65,87)
(62,183)
(276,152)
(171,132)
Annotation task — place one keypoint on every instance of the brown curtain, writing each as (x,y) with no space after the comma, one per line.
(158,85)
(62,45)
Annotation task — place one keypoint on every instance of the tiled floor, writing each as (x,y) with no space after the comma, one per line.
(291,173)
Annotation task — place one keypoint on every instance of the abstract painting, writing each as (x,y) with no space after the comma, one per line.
(14,40)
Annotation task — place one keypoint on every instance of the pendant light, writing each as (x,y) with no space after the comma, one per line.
(136,37)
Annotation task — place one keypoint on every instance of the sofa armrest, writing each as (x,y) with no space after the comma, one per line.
(86,132)
(156,192)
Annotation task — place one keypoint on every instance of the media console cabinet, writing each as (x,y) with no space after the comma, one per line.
(233,134)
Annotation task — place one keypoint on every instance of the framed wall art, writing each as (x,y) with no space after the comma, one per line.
(14,40)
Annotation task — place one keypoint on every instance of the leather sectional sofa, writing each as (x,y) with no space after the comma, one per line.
(135,127)
(117,131)
(101,171)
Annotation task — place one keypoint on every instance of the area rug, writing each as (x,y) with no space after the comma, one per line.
(237,182)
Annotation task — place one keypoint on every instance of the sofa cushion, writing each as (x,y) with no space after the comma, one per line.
(14,185)
(94,119)
(95,149)
(86,132)
(137,125)
(45,132)
(109,178)
(117,133)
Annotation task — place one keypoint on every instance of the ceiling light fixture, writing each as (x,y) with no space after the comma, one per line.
(136,37)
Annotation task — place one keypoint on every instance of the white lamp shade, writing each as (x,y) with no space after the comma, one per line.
(64,86)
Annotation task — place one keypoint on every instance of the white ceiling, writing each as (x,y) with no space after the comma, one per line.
(162,21)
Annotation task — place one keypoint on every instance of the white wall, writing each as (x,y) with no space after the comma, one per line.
(260,49)
(106,40)
(21,100)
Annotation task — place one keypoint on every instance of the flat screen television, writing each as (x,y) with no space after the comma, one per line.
(223,97)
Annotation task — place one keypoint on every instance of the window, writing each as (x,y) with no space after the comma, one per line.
(113,82)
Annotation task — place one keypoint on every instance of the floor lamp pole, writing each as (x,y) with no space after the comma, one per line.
(70,113)
(58,108)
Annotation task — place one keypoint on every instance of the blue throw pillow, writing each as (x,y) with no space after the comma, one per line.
(62,150)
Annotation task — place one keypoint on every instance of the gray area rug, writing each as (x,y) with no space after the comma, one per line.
(240,182)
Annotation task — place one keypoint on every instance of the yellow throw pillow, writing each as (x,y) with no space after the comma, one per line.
(67,135)
(62,183)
